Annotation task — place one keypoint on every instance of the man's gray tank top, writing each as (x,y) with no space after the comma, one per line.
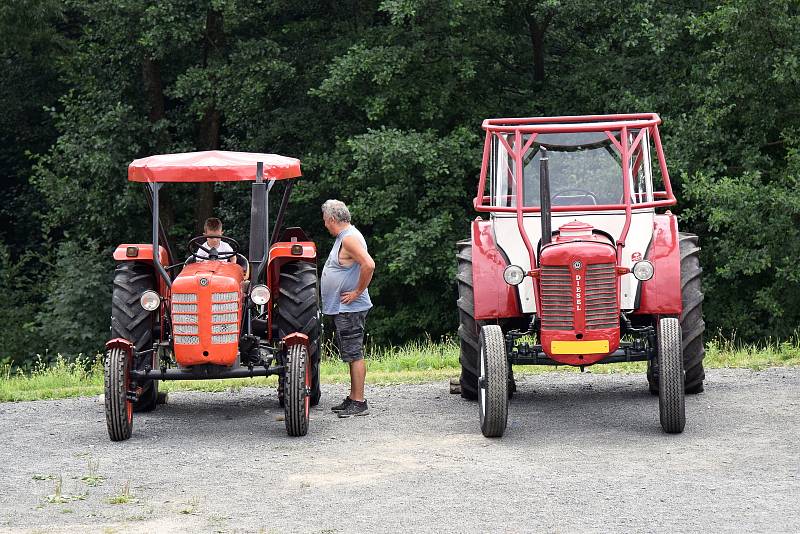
(337,279)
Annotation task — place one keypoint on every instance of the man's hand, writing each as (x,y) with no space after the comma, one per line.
(349,296)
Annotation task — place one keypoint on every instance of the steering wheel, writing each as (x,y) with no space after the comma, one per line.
(198,243)
(584,192)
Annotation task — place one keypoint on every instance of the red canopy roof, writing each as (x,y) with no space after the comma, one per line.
(211,166)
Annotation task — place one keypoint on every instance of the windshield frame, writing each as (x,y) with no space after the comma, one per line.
(510,133)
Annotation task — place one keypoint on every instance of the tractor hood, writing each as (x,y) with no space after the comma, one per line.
(206,313)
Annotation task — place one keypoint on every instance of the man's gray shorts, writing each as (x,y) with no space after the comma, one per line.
(350,334)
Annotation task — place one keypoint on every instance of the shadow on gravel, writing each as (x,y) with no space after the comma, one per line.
(210,417)
(619,410)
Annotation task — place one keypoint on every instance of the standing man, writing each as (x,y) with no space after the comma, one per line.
(345,277)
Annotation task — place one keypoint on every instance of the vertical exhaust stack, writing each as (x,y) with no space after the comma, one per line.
(544,197)
(258,222)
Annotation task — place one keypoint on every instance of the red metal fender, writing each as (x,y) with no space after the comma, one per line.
(493,297)
(296,338)
(121,343)
(661,295)
(144,253)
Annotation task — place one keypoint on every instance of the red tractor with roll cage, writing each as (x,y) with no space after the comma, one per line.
(218,314)
(574,265)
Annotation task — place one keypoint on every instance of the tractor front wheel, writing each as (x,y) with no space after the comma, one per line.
(671,398)
(692,324)
(493,382)
(119,410)
(296,385)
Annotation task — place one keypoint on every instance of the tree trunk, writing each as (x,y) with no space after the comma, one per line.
(209,128)
(537,31)
(151,79)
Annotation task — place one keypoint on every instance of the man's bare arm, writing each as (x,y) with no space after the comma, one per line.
(353,247)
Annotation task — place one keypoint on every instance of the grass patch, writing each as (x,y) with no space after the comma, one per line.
(412,363)
(123,497)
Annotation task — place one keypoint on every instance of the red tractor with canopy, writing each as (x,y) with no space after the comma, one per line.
(217,314)
(574,265)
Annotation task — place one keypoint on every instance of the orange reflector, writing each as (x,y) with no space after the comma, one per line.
(132,252)
(599,346)
(297,250)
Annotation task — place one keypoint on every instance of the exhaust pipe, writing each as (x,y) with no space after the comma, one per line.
(258,223)
(544,197)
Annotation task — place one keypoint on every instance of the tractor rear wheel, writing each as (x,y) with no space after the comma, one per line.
(132,322)
(468,327)
(119,410)
(297,310)
(296,383)
(493,382)
(692,324)
(671,398)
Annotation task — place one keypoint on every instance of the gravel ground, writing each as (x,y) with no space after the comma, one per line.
(582,452)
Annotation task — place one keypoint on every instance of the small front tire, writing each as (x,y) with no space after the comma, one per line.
(297,390)
(119,410)
(493,382)
(671,392)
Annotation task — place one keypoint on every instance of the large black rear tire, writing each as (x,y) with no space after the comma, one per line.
(132,322)
(295,383)
(297,310)
(468,327)
(691,320)
(692,324)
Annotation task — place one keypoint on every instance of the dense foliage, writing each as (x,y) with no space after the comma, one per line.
(382,100)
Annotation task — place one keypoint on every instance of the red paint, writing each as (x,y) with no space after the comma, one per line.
(221,277)
(493,297)
(295,338)
(661,295)
(211,166)
(121,343)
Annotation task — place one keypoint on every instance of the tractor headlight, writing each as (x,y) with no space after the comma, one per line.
(260,294)
(150,300)
(513,275)
(643,270)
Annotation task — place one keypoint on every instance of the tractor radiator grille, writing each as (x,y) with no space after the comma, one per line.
(184,318)
(600,296)
(557,309)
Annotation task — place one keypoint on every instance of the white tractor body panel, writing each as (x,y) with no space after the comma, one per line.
(509,240)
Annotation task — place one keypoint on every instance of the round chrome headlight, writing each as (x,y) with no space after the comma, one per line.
(513,275)
(260,294)
(643,270)
(150,300)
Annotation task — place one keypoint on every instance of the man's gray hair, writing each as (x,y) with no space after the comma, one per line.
(336,210)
